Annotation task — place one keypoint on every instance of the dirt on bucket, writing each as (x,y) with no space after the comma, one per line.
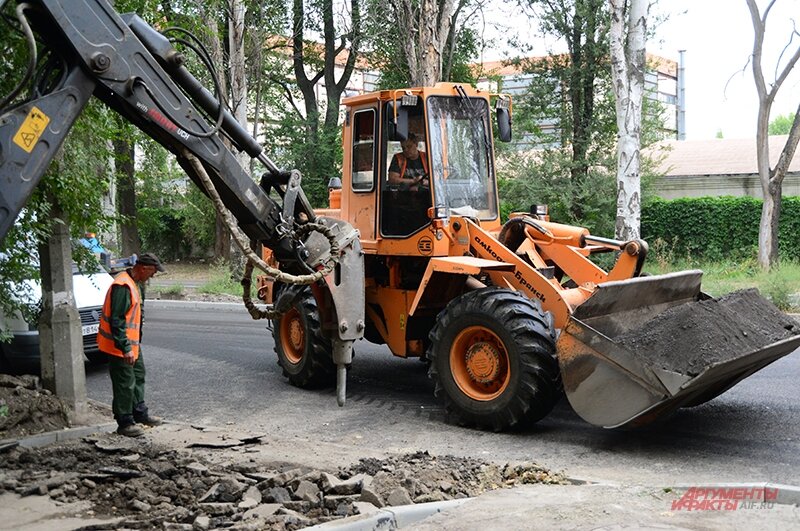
(690,337)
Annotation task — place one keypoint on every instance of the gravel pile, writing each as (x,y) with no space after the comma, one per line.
(143,485)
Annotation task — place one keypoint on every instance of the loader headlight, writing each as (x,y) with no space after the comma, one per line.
(540,211)
(409,100)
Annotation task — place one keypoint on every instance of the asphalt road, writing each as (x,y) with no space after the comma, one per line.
(214,367)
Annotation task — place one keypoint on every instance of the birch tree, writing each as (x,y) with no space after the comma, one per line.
(627,37)
(771,178)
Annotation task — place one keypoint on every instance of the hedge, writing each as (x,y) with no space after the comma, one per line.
(718,228)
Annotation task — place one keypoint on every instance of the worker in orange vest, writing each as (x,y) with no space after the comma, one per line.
(409,169)
(119,336)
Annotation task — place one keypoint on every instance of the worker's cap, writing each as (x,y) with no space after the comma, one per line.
(151,260)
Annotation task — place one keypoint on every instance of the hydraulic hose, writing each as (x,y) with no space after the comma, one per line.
(253,259)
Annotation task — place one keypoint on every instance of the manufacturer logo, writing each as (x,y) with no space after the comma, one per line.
(521,280)
(488,248)
(162,120)
(425,246)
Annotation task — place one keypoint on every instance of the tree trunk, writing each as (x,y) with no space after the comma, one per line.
(427,27)
(627,43)
(771,179)
(238,88)
(130,242)
(222,236)
(238,73)
(768,229)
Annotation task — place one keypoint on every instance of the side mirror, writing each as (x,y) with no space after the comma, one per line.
(398,131)
(504,124)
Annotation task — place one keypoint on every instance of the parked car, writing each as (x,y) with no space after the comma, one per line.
(22,352)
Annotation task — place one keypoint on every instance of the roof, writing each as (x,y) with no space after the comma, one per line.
(509,68)
(734,156)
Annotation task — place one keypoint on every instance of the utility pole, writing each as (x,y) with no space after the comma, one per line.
(60,340)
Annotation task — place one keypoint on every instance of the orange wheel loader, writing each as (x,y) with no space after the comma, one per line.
(510,315)
(411,253)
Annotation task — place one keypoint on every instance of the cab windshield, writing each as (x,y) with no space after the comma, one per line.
(463,179)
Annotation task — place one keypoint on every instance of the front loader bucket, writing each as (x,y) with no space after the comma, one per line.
(639,349)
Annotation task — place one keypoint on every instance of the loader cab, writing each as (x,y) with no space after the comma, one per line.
(453,127)
(455,142)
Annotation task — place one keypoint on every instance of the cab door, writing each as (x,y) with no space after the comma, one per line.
(360,161)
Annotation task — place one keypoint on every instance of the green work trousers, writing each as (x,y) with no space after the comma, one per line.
(127,382)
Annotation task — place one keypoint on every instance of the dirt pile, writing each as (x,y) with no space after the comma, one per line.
(689,337)
(142,485)
(27,409)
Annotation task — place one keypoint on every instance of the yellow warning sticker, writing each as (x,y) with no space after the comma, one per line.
(31,129)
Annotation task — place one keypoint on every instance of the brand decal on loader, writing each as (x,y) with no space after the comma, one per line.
(162,120)
(488,248)
(31,129)
(522,281)
(425,246)
(517,274)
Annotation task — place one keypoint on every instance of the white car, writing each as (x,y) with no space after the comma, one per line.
(89,291)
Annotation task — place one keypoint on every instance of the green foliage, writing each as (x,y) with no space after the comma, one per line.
(718,228)
(77,179)
(568,115)
(175,219)
(780,284)
(778,289)
(175,289)
(578,191)
(222,282)
(781,125)
(545,179)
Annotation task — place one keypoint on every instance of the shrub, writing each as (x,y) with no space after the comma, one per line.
(718,228)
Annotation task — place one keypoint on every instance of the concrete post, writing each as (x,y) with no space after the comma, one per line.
(61,342)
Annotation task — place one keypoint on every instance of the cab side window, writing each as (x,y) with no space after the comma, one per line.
(363,170)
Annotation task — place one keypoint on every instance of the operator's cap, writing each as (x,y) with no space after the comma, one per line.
(151,260)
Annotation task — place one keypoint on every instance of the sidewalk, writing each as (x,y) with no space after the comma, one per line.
(578,506)
(598,507)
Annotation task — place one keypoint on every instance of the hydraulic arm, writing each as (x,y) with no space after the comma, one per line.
(80,49)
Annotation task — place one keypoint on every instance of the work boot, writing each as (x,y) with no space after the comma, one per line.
(149,420)
(130,430)
(143,416)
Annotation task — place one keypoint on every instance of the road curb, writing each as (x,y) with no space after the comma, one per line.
(787,494)
(235,307)
(68,434)
(389,518)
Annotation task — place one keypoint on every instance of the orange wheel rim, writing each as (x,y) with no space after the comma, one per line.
(479,363)
(293,336)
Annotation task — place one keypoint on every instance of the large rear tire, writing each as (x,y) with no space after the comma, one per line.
(493,359)
(304,353)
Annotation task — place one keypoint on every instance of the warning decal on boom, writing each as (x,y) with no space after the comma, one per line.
(31,129)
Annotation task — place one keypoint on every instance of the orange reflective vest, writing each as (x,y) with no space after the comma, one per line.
(403,162)
(133,319)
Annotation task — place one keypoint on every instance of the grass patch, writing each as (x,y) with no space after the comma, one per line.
(781,285)
(221,282)
(175,289)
